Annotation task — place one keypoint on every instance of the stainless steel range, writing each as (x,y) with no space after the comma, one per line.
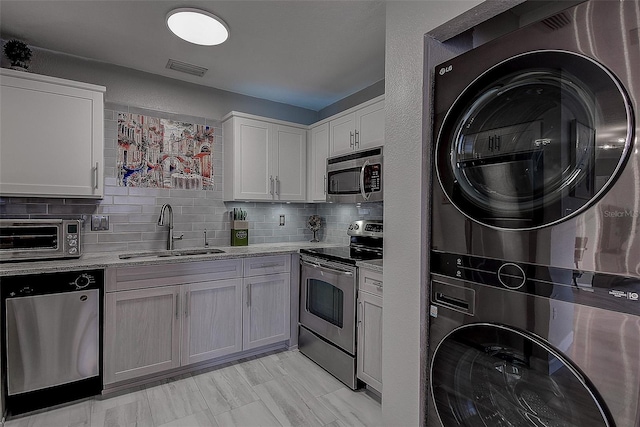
(328,297)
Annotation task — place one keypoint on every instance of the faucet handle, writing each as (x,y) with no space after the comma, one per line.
(178,238)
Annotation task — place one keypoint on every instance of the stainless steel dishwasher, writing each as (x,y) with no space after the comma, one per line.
(51,338)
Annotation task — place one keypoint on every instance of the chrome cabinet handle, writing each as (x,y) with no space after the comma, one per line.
(351,140)
(177,306)
(271,184)
(357,139)
(95,176)
(324,267)
(248,295)
(269,265)
(360,312)
(186,304)
(364,193)
(277,186)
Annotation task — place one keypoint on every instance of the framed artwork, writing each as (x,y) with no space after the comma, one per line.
(162,153)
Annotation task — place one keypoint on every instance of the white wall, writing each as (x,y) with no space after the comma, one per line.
(406,203)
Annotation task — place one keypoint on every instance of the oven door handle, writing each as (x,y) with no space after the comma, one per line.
(335,270)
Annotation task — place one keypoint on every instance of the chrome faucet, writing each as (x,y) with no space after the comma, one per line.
(166,219)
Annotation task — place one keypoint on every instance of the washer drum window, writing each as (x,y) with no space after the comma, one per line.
(534,140)
(485,375)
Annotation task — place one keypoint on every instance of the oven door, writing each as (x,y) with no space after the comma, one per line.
(328,301)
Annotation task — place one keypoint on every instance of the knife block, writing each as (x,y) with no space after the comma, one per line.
(239,233)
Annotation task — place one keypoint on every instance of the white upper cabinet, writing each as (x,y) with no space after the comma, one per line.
(263,159)
(317,164)
(51,136)
(358,128)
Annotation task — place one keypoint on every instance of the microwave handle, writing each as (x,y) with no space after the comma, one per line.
(365,196)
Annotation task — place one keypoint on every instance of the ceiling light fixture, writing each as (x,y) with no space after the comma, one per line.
(197,26)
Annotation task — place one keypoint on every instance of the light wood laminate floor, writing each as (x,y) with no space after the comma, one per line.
(279,389)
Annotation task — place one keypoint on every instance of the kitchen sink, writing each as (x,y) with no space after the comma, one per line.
(175,252)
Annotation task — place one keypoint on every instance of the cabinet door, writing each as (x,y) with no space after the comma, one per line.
(342,134)
(317,173)
(290,163)
(266,310)
(370,126)
(142,332)
(212,324)
(253,147)
(369,351)
(51,137)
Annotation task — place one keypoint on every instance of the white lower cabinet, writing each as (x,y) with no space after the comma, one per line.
(162,317)
(212,320)
(369,363)
(267,310)
(141,332)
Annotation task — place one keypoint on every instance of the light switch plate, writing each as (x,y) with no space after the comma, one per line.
(99,222)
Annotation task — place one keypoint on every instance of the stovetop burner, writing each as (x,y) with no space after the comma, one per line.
(366,244)
(346,254)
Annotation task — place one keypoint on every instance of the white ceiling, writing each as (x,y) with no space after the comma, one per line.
(307,53)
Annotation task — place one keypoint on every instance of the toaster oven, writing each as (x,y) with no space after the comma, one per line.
(35,239)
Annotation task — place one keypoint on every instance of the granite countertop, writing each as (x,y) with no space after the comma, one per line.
(374,265)
(111,259)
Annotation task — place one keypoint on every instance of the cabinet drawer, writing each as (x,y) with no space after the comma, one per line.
(370,281)
(260,266)
(151,276)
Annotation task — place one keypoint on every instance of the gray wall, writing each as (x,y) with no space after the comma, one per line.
(408,143)
(136,88)
(133,212)
(365,94)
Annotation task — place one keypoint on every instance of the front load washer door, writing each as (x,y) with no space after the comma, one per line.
(486,375)
(534,140)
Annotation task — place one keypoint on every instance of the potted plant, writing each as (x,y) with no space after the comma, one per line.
(18,54)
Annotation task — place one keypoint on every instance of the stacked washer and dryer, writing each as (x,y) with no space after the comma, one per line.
(535,260)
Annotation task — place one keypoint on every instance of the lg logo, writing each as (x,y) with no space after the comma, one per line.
(444,70)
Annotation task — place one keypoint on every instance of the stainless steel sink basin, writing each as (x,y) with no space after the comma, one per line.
(179,252)
(175,252)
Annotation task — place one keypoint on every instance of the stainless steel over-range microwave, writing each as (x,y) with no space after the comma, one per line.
(355,177)
(33,239)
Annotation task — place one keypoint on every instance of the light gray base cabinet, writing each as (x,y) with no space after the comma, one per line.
(369,363)
(267,301)
(162,317)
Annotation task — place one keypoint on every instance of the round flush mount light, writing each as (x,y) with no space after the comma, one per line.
(197,26)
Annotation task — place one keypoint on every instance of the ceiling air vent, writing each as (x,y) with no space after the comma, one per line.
(184,67)
(557,21)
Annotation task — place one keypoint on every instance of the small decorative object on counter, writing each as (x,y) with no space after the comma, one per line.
(314,224)
(239,228)
(18,54)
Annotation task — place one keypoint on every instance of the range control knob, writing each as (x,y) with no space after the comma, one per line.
(511,275)
(83,280)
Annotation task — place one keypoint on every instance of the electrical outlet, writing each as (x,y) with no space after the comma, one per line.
(99,223)
(281,220)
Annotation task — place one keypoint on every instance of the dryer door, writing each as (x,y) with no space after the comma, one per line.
(486,375)
(534,140)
